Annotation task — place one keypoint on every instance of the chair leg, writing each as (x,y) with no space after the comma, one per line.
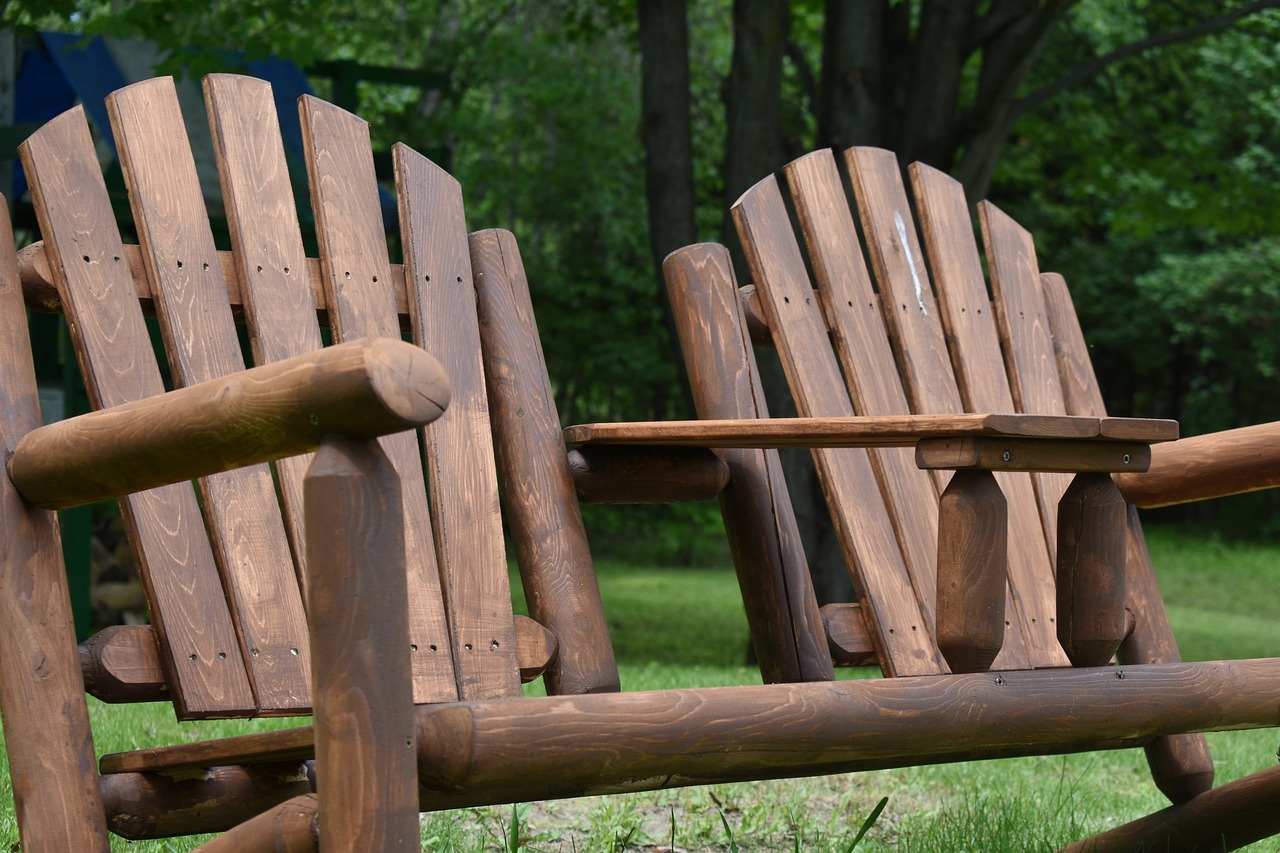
(361,681)
(1225,818)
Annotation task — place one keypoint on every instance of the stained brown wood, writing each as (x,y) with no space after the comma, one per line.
(596,742)
(122,664)
(1180,764)
(900,627)
(854,431)
(153,805)
(546,524)
(1208,466)
(917,323)
(291,827)
(1021,454)
(1092,533)
(1225,818)
(271,272)
(862,347)
(185,595)
(973,567)
(361,302)
(461,472)
(50,756)
(847,637)
(620,475)
(760,524)
(360,389)
(367,780)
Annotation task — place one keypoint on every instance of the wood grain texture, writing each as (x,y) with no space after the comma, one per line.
(914,318)
(622,475)
(1224,463)
(50,756)
(862,347)
(973,568)
(270,265)
(853,430)
(847,636)
(900,626)
(1225,818)
(596,743)
(1023,454)
(367,780)
(179,575)
(1180,764)
(1092,539)
(121,663)
(361,302)
(760,524)
(154,805)
(360,389)
(546,524)
(291,827)
(461,472)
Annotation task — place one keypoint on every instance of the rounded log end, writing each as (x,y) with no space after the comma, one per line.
(409,382)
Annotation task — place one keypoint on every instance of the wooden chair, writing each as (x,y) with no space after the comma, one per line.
(388,614)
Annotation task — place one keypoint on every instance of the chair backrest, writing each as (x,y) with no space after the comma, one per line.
(228,628)
(868,322)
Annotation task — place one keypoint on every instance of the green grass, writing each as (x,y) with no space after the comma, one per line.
(684,627)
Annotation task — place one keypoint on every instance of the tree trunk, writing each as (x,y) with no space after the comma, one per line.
(665,128)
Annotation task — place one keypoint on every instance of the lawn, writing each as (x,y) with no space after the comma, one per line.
(682,627)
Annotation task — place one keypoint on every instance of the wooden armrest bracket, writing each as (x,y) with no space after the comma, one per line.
(1032,454)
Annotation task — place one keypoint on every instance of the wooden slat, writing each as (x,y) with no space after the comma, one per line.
(244,521)
(202,651)
(270,269)
(759,520)
(459,445)
(900,627)
(1025,334)
(357,279)
(909,307)
(862,346)
(861,431)
(546,524)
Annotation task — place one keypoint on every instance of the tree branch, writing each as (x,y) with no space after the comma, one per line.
(1091,69)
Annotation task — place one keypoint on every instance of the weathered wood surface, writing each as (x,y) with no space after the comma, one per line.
(859,431)
(546,524)
(1225,818)
(50,755)
(202,651)
(357,601)
(291,827)
(361,302)
(361,389)
(461,472)
(760,524)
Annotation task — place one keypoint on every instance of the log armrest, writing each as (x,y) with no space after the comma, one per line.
(1208,466)
(360,389)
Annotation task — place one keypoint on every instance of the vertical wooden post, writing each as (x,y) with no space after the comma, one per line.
(973,561)
(46,720)
(357,594)
(1092,518)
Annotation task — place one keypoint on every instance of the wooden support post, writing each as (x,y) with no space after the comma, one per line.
(365,761)
(973,544)
(1092,518)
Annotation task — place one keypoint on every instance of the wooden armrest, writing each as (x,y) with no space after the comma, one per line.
(1208,466)
(360,389)
(889,431)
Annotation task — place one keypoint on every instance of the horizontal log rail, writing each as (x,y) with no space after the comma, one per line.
(360,389)
(1208,466)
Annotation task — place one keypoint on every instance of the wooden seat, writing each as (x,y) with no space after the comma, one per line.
(373,592)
